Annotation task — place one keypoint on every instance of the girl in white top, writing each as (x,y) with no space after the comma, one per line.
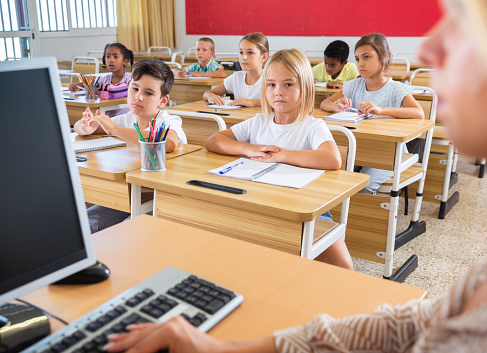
(285,132)
(375,93)
(245,85)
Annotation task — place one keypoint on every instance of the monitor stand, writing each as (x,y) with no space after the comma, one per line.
(21,327)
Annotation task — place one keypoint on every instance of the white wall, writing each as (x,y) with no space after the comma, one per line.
(226,44)
(66,45)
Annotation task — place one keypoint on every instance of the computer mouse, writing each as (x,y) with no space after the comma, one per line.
(25,326)
(94,274)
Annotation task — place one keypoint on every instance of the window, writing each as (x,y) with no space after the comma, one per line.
(93,13)
(53,14)
(14,23)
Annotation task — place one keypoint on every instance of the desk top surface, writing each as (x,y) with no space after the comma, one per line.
(114,163)
(80,101)
(294,204)
(279,289)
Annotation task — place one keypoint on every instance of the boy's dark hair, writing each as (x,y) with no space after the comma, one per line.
(126,53)
(155,68)
(337,49)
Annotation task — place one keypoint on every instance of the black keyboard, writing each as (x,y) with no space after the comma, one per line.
(168,293)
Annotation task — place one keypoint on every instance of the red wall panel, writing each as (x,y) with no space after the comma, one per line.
(394,18)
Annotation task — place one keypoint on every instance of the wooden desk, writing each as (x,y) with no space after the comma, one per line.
(280,290)
(321,93)
(270,215)
(187,90)
(76,105)
(199,130)
(315,60)
(103,174)
(416,64)
(398,75)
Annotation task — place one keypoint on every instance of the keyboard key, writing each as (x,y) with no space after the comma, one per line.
(162,298)
(201,303)
(173,291)
(93,326)
(201,317)
(226,292)
(164,307)
(120,309)
(205,289)
(103,320)
(59,347)
(186,317)
(195,322)
(78,335)
(132,302)
(214,293)
(112,314)
(191,299)
(131,319)
(69,341)
(149,292)
(195,285)
(206,283)
(181,295)
(224,298)
(171,303)
(214,306)
(118,328)
(141,296)
(89,347)
(187,282)
(207,297)
(193,278)
(189,290)
(100,340)
(156,302)
(156,313)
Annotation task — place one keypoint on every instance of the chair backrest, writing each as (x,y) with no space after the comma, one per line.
(307,52)
(151,49)
(85,65)
(221,123)
(192,49)
(175,55)
(95,54)
(347,151)
(400,64)
(173,65)
(421,77)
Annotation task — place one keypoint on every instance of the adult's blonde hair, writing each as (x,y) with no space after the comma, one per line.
(472,15)
(298,64)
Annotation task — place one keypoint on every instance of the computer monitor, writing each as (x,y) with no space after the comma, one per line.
(44,229)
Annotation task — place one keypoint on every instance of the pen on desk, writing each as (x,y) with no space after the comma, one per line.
(349,108)
(227,169)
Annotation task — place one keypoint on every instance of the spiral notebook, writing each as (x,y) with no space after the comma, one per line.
(97,144)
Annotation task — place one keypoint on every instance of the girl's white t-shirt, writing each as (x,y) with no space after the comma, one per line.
(236,84)
(175,123)
(306,135)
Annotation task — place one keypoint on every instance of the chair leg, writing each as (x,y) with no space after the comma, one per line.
(406,200)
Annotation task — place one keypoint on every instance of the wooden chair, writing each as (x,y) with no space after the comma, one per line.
(86,65)
(371,228)
(399,64)
(320,234)
(442,173)
(155,48)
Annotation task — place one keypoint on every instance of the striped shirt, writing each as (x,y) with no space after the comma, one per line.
(210,67)
(416,327)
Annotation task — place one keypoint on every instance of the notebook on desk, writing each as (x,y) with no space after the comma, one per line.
(270,173)
(97,144)
(346,117)
(225,106)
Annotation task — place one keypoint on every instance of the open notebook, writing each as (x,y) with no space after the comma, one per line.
(97,144)
(225,106)
(347,117)
(269,173)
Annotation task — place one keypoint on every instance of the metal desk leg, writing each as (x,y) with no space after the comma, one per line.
(447,203)
(307,239)
(135,200)
(482,168)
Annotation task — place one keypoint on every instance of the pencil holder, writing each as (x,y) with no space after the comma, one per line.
(152,156)
(91,92)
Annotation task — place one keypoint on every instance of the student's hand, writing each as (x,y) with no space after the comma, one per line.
(214,99)
(88,123)
(370,108)
(333,84)
(261,151)
(182,73)
(342,104)
(74,87)
(105,122)
(177,334)
(271,157)
(196,74)
(242,101)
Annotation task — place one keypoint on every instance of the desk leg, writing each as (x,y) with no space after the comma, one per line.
(482,168)
(446,204)
(135,200)
(307,239)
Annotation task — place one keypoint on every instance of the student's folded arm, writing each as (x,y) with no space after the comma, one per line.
(217,73)
(327,104)
(225,142)
(327,157)
(172,141)
(218,90)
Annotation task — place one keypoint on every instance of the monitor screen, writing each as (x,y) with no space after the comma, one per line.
(44,230)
